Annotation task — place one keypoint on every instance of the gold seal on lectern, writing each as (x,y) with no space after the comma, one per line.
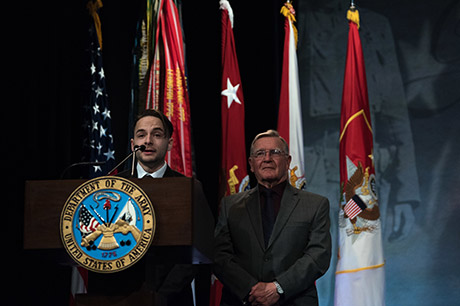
(107,224)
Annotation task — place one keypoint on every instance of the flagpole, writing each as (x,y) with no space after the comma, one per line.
(352,5)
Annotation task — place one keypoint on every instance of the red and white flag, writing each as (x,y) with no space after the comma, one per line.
(233,155)
(290,113)
(360,277)
(78,283)
(233,148)
(174,100)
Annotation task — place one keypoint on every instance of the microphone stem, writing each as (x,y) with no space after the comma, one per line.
(115,168)
(133,154)
(134,162)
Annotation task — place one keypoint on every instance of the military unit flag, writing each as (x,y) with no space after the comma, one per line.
(233,145)
(290,113)
(233,156)
(167,87)
(360,276)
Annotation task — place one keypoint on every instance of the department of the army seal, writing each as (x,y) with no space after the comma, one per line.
(107,224)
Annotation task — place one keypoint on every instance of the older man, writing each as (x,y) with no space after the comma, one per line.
(272,242)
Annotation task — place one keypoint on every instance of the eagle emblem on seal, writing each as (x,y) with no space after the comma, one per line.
(107,224)
(361,202)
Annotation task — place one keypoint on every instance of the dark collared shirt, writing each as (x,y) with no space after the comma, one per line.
(278,191)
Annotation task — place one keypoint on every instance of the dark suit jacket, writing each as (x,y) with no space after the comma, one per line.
(298,252)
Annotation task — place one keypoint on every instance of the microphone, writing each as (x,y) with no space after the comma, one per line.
(141,148)
(136,148)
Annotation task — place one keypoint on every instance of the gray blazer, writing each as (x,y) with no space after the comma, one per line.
(297,254)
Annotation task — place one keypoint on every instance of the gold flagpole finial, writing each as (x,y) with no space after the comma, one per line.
(353,14)
(93,7)
(288,11)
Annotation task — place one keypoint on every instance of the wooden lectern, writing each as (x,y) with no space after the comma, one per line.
(184,230)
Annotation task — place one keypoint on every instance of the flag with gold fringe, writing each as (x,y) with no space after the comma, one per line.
(167,84)
(360,278)
(290,113)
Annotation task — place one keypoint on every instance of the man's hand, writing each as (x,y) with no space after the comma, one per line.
(263,294)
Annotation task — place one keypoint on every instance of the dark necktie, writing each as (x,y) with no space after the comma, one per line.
(268,215)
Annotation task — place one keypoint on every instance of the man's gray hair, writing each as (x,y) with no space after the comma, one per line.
(270,133)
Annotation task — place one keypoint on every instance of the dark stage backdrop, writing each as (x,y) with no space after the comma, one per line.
(411,50)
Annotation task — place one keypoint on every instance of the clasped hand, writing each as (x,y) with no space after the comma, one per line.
(264,294)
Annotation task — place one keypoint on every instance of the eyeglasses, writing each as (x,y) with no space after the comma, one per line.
(274,153)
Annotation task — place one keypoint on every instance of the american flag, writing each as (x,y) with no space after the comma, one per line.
(100,140)
(354,207)
(87,222)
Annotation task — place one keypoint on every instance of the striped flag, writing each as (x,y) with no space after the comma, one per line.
(290,113)
(87,222)
(100,140)
(99,124)
(360,278)
(354,207)
(170,94)
(78,284)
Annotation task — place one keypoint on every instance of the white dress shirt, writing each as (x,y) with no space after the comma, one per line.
(157,174)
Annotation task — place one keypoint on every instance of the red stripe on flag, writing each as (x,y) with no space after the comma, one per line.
(216,292)
(283,112)
(78,284)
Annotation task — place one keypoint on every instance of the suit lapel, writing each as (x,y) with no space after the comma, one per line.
(253,208)
(288,203)
(171,173)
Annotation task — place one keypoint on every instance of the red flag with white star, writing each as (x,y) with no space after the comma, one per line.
(233,154)
(233,148)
